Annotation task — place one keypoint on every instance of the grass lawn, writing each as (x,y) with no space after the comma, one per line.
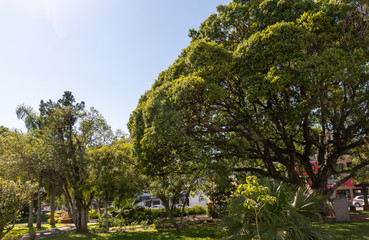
(19,231)
(199,232)
(358,230)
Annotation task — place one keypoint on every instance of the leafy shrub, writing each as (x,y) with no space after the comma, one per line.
(93,214)
(196,210)
(268,209)
(57,216)
(137,215)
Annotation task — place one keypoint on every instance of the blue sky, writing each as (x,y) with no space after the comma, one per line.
(107,52)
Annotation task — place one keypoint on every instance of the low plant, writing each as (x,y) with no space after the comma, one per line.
(268,209)
(93,214)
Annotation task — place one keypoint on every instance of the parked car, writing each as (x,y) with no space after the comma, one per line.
(157,206)
(359,201)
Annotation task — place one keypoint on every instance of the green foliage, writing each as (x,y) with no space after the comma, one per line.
(71,130)
(256,195)
(93,214)
(113,173)
(3,129)
(13,196)
(264,86)
(57,216)
(137,215)
(195,210)
(133,215)
(17,232)
(267,209)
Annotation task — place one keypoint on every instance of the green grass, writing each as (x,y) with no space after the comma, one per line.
(199,232)
(360,212)
(19,231)
(358,230)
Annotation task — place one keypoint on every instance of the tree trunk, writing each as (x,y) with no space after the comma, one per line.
(184,205)
(170,215)
(81,218)
(106,218)
(30,212)
(52,204)
(39,202)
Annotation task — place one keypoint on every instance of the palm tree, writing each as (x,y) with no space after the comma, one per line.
(31,119)
(288,217)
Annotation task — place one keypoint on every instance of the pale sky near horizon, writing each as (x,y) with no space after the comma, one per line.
(106,52)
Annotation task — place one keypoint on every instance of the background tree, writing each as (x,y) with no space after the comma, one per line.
(3,129)
(13,196)
(33,124)
(113,174)
(270,85)
(21,158)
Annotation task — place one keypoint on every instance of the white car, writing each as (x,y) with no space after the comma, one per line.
(157,206)
(359,201)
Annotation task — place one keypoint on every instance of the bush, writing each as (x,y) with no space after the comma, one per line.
(196,210)
(93,214)
(57,216)
(266,209)
(137,215)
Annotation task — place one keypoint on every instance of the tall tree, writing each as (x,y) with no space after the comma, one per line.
(72,130)
(173,162)
(272,85)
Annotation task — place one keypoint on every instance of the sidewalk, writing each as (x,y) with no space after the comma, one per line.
(54,231)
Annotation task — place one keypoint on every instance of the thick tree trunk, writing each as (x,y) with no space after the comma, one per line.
(106,218)
(30,212)
(78,209)
(39,202)
(52,204)
(81,218)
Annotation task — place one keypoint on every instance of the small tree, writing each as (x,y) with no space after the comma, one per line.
(13,197)
(113,174)
(21,158)
(256,197)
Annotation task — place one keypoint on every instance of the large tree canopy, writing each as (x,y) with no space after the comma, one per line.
(266,86)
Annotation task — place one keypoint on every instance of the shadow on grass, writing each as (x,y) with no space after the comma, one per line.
(358,230)
(16,232)
(200,232)
(191,232)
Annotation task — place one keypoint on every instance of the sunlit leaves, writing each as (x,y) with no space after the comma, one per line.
(13,196)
